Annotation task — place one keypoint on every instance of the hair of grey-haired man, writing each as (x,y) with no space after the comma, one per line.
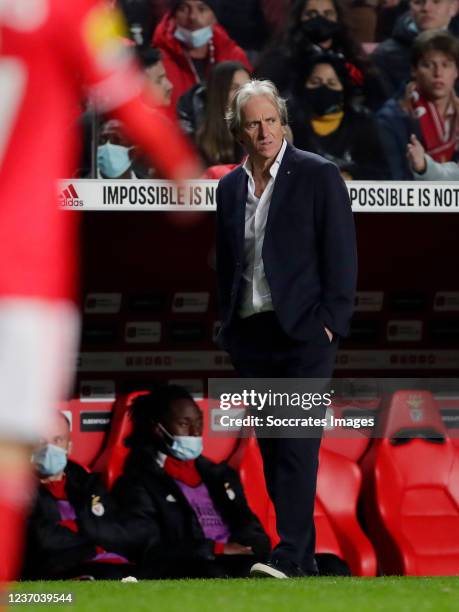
(248,90)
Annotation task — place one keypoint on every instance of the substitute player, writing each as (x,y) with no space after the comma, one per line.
(53,54)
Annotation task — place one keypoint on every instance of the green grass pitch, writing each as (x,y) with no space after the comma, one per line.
(388,594)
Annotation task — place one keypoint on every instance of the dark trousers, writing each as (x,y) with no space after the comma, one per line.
(99,571)
(223,566)
(259,348)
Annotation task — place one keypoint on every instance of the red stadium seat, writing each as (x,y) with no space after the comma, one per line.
(111,461)
(88,428)
(338,531)
(225,448)
(411,494)
(338,488)
(350,443)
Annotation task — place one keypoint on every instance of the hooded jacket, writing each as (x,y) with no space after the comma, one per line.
(176,61)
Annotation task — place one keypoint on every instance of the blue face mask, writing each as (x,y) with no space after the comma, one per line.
(50,460)
(183,447)
(113,160)
(194,38)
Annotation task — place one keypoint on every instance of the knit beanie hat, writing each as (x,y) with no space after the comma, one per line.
(173,5)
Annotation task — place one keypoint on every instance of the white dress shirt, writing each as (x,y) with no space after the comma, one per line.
(256,295)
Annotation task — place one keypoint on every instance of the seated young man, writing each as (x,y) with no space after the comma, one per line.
(188,515)
(429,111)
(72,530)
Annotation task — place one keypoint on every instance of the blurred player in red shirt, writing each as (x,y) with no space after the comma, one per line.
(53,55)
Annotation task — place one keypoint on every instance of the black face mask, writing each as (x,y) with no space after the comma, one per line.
(318,29)
(323,100)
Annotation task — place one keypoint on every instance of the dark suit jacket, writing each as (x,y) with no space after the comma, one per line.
(309,250)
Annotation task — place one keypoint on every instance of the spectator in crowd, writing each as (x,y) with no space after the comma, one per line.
(188,515)
(392,56)
(202,113)
(429,109)
(325,121)
(424,168)
(155,72)
(192,41)
(315,26)
(116,158)
(73,530)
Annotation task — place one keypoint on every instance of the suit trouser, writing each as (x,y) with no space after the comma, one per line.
(260,349)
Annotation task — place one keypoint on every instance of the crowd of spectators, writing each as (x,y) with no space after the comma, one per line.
(371,86)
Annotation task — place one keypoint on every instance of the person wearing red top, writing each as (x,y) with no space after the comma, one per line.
(191,42)
(53,54)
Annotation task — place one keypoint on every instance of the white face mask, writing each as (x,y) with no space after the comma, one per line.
(113,160)
(184,447)
(50,460)
(194,38)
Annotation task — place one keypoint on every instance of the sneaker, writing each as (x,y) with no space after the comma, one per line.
(277,569)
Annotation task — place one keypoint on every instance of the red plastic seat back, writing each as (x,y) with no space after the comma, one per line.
(348,442)
(253,482)
(417,496)
(412,489)
(411,411)
(90,423)
(217,448)
(111,461)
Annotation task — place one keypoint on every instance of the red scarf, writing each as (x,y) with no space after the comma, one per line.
(57,487)
(440,135)
(185,471)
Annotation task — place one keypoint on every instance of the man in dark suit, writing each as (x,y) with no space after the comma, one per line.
(286,269)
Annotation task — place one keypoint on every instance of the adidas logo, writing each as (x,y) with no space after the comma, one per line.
(69,197)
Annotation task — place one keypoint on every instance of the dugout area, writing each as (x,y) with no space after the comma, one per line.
(150,314)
